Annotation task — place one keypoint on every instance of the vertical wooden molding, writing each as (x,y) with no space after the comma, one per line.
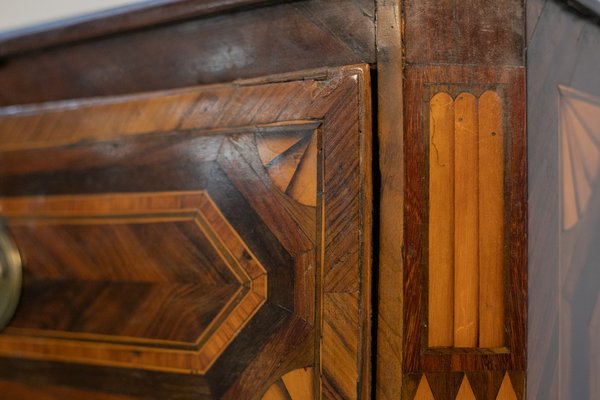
(388,323)
(466,227)
(491,221)
(441,221)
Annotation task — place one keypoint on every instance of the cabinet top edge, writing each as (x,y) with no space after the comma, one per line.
(117,20)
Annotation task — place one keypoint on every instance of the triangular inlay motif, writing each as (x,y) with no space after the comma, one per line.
(445,385)
(465,392)
(424,391)
(272,144)
(507,392)
(485,384)
(290,159)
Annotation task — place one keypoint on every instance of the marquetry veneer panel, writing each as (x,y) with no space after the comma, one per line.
(465,264)
(466,220)
(147,272)
(210,239)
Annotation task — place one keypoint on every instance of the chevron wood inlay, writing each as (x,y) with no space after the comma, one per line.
(466,224)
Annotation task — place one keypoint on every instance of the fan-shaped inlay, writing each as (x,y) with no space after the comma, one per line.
(580,151)
(290,159)
(295,385)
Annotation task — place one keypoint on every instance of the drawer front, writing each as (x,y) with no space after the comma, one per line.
(212,242)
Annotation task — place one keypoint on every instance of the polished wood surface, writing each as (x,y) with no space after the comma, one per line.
(267,151)
(171,260)
(208,48)
(218,231)
(115,21)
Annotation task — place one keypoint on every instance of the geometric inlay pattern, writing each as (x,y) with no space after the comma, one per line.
(291,162)
(298,384)
(579,152)
(488,385)
(162,280)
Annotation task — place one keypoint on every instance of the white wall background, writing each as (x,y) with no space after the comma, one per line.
(19,14)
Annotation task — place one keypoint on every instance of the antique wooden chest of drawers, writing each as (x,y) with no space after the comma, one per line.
(267,199)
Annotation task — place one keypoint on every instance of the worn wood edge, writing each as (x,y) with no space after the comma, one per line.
(315,74)
(118,20)
(388,322)
(366,239)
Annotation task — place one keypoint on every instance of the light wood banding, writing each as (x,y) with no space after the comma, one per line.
(441,221)
(466,282)
(491,217)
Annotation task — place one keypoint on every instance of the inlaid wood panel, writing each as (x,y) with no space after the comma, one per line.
(204,242)
(295,385)
(451,103)
(169,259)
(468,136)
(466,221)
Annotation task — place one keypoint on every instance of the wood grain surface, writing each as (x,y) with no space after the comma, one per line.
(129,208)
(466,222)
(491,220)
(390,179)
(253,42)
(113,21)
(441,221)
(464,49)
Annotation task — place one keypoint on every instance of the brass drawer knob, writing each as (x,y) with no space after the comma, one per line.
(10,277)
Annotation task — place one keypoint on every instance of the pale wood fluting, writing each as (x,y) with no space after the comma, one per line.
(465,226)
(466,279)
(491,235)
(441,221)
